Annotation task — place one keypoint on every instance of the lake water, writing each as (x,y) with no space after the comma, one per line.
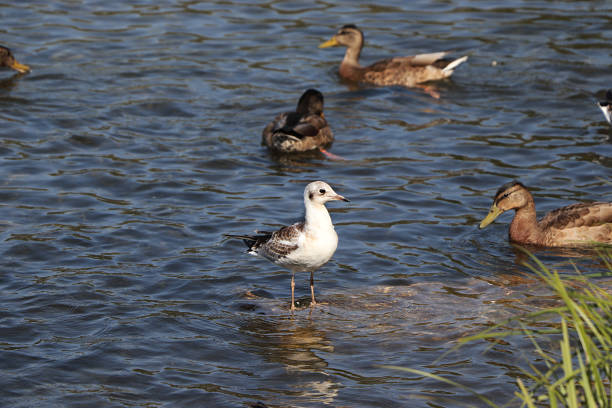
(134,145)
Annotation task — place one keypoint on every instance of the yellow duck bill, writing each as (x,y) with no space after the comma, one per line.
(494,212)
(19,67)
(330,43)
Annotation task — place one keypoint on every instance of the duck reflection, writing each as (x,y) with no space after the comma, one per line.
(303,162)
(7,84)
(563,259)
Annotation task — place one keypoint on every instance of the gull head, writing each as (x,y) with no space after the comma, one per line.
(319,192)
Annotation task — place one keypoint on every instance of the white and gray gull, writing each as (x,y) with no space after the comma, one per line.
(304,246)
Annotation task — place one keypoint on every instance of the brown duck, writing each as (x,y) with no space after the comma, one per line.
(577,224)
(300,131)
(406,71)
(8,60)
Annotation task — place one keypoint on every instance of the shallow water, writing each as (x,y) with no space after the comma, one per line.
(133,146)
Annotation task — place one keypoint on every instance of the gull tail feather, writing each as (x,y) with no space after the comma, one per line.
(251,241)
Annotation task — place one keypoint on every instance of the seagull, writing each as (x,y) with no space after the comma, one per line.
(304,246)
(606,106)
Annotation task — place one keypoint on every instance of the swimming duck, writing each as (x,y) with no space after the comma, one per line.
(406,71)
(606,106)
(577,224)
(300,131)
(8,60)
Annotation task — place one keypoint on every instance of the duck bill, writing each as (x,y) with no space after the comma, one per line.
(19,67)
(494,212)
(331,43)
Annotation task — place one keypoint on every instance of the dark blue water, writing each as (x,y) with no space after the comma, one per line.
(134,145)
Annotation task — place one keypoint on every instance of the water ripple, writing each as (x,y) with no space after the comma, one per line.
(134,145)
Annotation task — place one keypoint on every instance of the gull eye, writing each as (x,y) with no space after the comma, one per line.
(322,191)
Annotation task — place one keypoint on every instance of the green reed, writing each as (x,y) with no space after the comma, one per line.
(575,367)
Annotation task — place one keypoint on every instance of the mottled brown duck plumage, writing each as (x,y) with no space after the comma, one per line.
(407,71)
(300,131)
(576,224)
(7,60)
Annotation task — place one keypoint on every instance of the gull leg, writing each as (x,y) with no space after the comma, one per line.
(312,298)
(292,289)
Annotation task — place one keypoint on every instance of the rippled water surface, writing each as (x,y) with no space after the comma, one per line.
(134,145)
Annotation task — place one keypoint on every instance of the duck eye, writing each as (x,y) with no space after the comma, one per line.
(322,191)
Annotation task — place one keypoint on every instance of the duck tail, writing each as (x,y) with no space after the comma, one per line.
(449,69)
(606,111)
(605,106)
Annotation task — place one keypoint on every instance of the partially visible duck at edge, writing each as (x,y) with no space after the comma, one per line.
(7,60)
(606,106)
(407,71)
(574,225)
(303,130)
